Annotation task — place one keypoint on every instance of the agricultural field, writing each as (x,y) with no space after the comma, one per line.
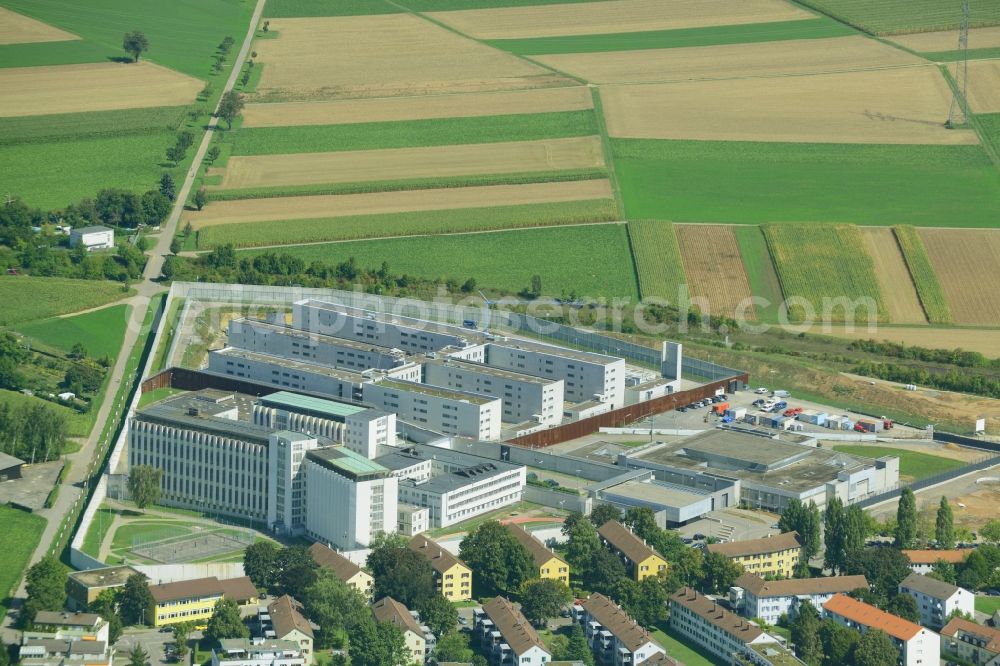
(912,464)
(889,17)
(399,163)
(409,223)
(966,263)
(947,40)
(22,532)
(984,86)
(20,29)
(28,298)
(925,280)
(100,332)
(760,272)
(717,280)
(889,106)
(894,281)
(366,111)
(600,264)
(820,266)
(657,259)
(56,127)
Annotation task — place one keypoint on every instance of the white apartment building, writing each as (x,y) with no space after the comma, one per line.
(286,373)
(257,652)
(349,498)
(712,627)
(506,636)
(769,600)
(917,646)
(613,636)
(936,599)
(265,338)
(93,238)
(413,520)
(359,428)
(286,503)
(452,485)
(524,397)
(440,409)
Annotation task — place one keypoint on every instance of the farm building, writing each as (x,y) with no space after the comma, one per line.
(92,238)
(10,467)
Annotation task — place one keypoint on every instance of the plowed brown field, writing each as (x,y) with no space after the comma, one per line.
(967,263)
(714,269)
(984,86)
(20,29)
(898,292)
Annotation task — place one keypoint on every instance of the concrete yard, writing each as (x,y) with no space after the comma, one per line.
(33,487)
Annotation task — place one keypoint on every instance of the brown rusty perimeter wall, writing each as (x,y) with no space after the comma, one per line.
(193,380)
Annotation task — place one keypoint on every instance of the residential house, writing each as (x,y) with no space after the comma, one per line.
(770,556)
(72,626)
(753,596)
(937,600)
(640,559)
(282,620)
(549,564)
(452,576)
(343,568)
(506,636)
(613,636)
(918,646)
(710,626)
(923,561)
(971,643)
(38,650)
(391,611)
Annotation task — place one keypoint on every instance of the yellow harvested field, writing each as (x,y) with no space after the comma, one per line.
(311,207)
(731,61)
(717,279)
(898,106)
(542,100)
(383,56)
(20,29)
(967,263)
(984,86)
(355,166)
(894,281)
(591,18)
(947,40)
(31,91)
(982,341)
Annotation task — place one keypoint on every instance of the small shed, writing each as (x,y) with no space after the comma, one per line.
(814,417)
(10,467)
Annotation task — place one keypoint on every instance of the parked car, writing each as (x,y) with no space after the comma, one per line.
(761,390)
(463,620)
(759,403)
(699,537)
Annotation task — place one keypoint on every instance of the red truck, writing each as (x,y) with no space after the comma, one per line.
(793,411)
(865,426)
(720,408)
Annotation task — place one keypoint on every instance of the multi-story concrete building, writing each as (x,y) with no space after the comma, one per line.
(391,611)
(769,600)
(349,498)
(640,559)
(936,599)
(282,620)
(452,576)
(413,519)
(547,563)
(452,485)
(771,556)
(437,408)
(506,636)
(286,373)
(344,569)
(286,502)
(970,643)
(524,397)
(194,600)
(713,628)
(917,645)
(613,636)
(257,652)
(923,561)
(83,587)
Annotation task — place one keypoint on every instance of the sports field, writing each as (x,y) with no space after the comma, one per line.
(328,206)
(28,298)
(657,259)
(100,332)
(717,280)
(399,163)
(20,29)
(600,264)
(912,464)
(902,16)
(966,262)
(895,283)
(896,106)
(544,100)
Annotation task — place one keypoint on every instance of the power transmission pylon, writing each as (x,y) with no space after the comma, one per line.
(959,113)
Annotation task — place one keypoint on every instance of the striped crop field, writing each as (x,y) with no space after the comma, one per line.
(890,17)
(717,279)
(657,258)
(922,272)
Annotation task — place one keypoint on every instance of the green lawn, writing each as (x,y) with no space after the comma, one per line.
(681,649)
(60,126)
(78,425)
(98,530)
(666,39)
(897,16)
(27,298)
(71,52)
(988,605)
(101,332)
(183,34)
(144,532)
(413,133)
(911,463)
(292,8)
(290,232)
(156,395)
(749,182)
(22,532)
(760,270)
(590,260)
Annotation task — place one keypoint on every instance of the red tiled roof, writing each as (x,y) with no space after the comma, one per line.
(958,626)
(869,616)
(932,556)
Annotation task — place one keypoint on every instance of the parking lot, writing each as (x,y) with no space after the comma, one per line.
(152,641)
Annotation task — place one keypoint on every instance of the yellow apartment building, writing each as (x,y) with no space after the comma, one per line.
(773,555)
(452,575)
(548,563)
(640,559)
(343,568)
(194,600)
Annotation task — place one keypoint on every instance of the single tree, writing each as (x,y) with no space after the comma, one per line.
(720,573)
(333,605)
(106,605)
(991,530)
(401,573)
(838,643)
(876,649)
(135,603)
(181,632)
(602,513)
(175,246)
(78,351)
(943,571)
(230,106)
(45,583)
(213,153)
(578,649)
(200,198)
(499,563)
(543,598)
(144,485)
(138,657)
(944,526)
(603,572)
(376,643)
(582,542)
(642,521)
(805,634)
(904,606)
(453,647)
(167,187)
(226,622)
(833,534)
(135,44)
(906,519)
(175,154)
(439,614)
(260,563)
(649,602)
(295,570)
(854,529)
(804,519)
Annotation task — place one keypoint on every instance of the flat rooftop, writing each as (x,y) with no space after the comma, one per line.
(666,494)
(482,369)
(435,391)
(199,411)
(347,463)
(293,364)
(461,468)
(319,337)
(311,405)
(542,348)
(467,335)
(107,577)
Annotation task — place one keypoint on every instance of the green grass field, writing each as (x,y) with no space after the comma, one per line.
(149,397)
(290,232)
(292,8)
(412,133)
(925,280)
(592,260)
(22,532)
(681,649)
(913,464)
(183,34)
(989,127)
(951,56)
(988,605)
(900,16)
(78,425)
(140,532)
(55,53)
(668,39)
(101,332)
(738,182)
(54,127)
(28,298)
(657,259)
(760,271)
(824,261)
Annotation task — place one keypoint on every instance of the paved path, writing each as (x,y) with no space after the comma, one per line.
(74,483)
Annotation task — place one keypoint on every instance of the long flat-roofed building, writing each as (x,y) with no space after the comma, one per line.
(524,397)
(613,636)
(923,561)
(443,410)
(917,646)
(770,599)
(287,373)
